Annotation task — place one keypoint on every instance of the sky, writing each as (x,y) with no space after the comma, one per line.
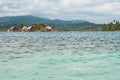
(98,11)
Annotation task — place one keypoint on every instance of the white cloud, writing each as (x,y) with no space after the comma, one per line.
(92,10)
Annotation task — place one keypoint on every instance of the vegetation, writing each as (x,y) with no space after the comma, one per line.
(39,27)
(37,22)
(80,27)
(112,26)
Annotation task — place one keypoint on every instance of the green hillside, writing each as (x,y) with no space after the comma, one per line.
(60,25)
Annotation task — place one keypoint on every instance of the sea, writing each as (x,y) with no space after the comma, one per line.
(60,55)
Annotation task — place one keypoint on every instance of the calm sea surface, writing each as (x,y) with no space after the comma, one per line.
(60,56)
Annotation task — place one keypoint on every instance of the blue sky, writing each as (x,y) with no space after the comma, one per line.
(99,11)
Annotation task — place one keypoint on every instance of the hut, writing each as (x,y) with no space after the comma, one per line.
(12,29)
(24,29)
(47,29)
(30,28)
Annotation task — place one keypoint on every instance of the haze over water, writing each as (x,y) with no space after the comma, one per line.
(60,56)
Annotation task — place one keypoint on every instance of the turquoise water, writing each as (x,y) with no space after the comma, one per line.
(60,56)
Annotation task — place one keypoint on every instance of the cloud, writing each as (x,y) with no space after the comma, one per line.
(92,10)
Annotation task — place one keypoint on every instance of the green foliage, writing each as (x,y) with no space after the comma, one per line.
(38,27)
(112,26)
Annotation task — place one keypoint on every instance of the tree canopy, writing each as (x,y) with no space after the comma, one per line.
(112,26)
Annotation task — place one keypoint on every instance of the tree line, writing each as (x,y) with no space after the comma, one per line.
(112,26)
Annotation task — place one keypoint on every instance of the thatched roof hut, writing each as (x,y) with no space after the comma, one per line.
(12,29)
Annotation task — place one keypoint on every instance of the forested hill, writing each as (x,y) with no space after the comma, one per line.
(61,25)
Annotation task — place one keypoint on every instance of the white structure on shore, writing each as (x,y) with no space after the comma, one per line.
(24,28)
(30,28)
(47,29)
(12,29)
(27,28)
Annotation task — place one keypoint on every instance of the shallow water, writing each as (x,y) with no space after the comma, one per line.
(60,56)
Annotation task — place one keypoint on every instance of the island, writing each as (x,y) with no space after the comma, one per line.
(33,28)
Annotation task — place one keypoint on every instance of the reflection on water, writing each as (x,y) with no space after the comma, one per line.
(60,56)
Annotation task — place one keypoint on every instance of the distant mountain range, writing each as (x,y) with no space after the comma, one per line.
(62,25)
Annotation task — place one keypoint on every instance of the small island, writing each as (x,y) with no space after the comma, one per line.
(33,28)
